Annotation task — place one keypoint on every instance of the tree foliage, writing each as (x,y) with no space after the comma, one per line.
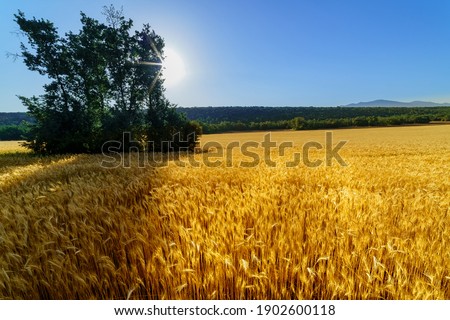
(12,132)
(104,80)
(226,119)
(261,114)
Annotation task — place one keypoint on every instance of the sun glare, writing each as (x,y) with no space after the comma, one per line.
(173,68)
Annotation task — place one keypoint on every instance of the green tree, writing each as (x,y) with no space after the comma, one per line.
(297,123)
(12,132)
(104,80)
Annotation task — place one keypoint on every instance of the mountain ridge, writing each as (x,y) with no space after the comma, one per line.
(392,103)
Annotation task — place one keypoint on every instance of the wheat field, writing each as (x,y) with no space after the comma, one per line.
(377,228)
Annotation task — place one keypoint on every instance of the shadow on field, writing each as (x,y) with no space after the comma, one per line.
(9,160)
(71,229)
(16,168)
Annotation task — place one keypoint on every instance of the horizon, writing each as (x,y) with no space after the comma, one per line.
(293,53)
(350,105)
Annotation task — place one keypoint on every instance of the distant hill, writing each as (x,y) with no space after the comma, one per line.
(14,118)
(390,103)
(263,114)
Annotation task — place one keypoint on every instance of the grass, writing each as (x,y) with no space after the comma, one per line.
(375,229)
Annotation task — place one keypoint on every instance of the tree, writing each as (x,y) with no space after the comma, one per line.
(104,80)
(12,132)
(298,123)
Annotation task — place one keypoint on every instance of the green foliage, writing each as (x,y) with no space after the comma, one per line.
(298,123)
(315,118)
(262,114)
(13,132)
(14,118)
(105,80)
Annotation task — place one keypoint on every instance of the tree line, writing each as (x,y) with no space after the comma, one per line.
(312,118)
(226,119)
(300,123)
(261,114)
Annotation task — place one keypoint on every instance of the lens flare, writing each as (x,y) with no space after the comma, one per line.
(173,68)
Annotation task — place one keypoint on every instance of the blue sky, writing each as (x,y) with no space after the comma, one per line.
(270,53)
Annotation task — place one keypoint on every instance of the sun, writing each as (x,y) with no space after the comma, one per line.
(173,68)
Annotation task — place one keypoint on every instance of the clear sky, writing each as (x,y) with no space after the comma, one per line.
(270,53)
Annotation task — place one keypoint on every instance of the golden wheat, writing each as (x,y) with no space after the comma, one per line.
(375,229)
(12,146)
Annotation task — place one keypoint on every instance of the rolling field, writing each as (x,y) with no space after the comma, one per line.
(231,227)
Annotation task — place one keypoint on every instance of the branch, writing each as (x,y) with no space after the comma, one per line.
(14,56)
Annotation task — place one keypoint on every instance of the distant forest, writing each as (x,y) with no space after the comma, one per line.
(13,126)
(14,118)
(226,119)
